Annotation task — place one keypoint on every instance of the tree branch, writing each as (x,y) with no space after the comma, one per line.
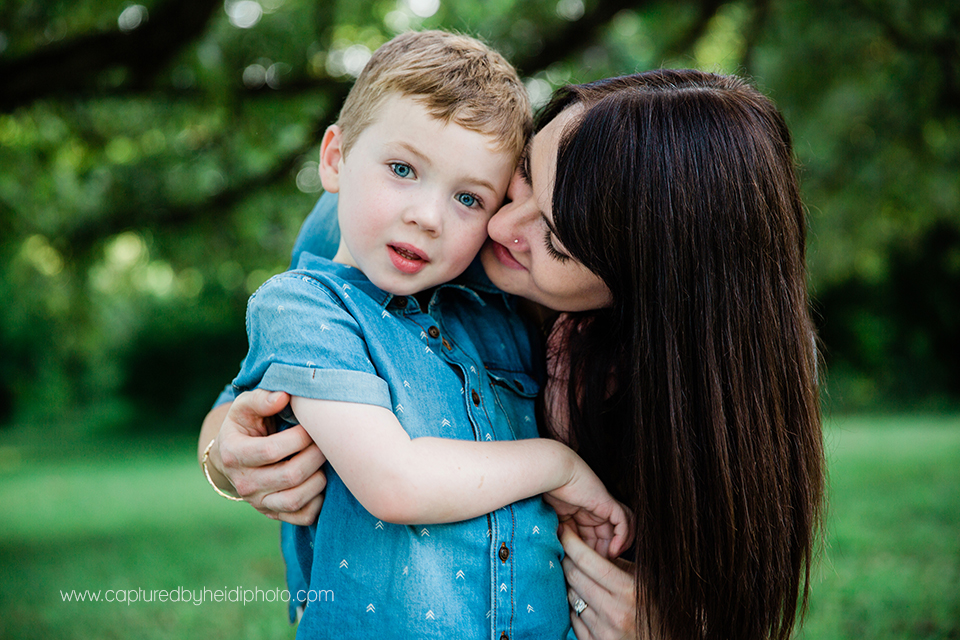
(945,50)
(78,65)
(575,36)
(168,217)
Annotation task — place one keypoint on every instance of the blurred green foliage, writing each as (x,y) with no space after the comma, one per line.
(158,158)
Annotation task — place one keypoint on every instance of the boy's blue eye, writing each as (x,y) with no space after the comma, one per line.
(467,200)
(401,170)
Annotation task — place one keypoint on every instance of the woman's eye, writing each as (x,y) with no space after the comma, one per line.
(523,168)
(552,249)
(468,199)
(401,170)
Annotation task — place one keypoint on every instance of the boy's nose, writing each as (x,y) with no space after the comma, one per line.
(426,214)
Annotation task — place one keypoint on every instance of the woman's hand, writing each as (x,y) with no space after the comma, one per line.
(584,504)
(607,587)
(277,473)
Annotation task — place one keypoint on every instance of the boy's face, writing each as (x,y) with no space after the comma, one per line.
(415,196)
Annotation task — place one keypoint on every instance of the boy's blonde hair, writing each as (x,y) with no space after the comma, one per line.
(455,77)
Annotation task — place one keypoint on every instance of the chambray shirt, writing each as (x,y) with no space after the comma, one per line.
(319,235)
(461,369)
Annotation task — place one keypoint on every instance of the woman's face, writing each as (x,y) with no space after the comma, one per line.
(523,256)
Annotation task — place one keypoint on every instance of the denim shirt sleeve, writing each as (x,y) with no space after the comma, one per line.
(304,341)
(319,235)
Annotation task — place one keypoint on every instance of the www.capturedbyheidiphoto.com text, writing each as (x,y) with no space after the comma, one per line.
(196,596)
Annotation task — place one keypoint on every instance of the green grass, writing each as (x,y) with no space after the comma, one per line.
(128,515)
(136,514)
(892,562)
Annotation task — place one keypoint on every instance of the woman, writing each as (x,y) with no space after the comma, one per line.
(661,211)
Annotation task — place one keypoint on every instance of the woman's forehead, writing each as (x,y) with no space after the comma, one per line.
(541,157)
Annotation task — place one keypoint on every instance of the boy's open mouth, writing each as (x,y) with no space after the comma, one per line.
(408,258)
(407,254)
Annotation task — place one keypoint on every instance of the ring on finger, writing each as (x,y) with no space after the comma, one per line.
(579,606)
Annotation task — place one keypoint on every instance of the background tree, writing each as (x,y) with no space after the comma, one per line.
(158,159)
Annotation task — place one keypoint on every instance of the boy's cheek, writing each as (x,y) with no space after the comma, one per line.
(466,242)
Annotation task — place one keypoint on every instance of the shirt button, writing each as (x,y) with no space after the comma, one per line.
(504,636)
(401,303)
(434,332)
(504,552)
(476,398)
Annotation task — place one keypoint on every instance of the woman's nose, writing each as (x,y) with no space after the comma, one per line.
(511,221)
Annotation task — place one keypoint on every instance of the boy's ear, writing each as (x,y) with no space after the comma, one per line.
(331,155)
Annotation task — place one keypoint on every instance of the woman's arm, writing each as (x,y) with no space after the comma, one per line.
(277,473)
(424,480)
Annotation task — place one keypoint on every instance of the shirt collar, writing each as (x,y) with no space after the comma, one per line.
(472,281)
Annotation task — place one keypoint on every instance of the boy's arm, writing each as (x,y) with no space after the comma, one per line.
(425,480)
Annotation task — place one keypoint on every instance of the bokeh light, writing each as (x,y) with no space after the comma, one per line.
(348,61)
(570,9)
(308,179)
(243,14)
(132,17)
(423,8)
(539,91)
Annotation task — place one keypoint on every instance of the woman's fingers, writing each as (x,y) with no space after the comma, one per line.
(246,438)
(594,567)
(250,409)
(310,458)
(580,627)
(606,588)
(294,499)
(604,618)
(259,463)
(286,486)
(306,515)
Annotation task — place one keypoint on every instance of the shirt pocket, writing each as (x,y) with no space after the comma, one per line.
(515,394)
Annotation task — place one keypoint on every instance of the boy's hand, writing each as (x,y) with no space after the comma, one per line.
(584,504)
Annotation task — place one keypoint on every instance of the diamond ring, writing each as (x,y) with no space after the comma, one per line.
(579,606)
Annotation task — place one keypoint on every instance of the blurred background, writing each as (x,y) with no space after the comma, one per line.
(157,159)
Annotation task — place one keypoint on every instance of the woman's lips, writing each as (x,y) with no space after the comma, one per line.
(407,258)
(505,257)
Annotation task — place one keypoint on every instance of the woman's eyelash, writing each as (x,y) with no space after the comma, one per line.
(551,249)
(523,169)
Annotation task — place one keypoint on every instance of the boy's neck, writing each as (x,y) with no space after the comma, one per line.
(343,256)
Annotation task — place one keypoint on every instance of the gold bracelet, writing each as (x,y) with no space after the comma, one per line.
(206,472)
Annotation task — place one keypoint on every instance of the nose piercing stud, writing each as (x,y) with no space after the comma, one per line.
(516,241)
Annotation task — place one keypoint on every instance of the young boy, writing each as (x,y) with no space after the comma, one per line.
(414,380)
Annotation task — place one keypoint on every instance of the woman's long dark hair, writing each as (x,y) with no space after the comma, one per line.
(694,396)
